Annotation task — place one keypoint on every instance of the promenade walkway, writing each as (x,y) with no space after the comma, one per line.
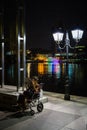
(58,114)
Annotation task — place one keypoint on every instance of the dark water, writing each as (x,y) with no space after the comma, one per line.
(52,75)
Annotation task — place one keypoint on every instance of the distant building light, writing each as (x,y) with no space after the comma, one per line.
(80,47)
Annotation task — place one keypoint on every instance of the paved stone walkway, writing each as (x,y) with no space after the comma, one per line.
(58,114)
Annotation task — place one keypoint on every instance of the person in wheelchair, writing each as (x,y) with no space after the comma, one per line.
(33,88)
(31,94)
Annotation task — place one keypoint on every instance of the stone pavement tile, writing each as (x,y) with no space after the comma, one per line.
(47,120)
(13,119)
(59,118)
(65,128)
(74,108)
(33,126)
(51,106)
(40,126)
(67,108)
(78,124)
(54,100)
(83,111)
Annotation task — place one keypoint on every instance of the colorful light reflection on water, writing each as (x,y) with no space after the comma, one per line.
(49,66)
(53,73)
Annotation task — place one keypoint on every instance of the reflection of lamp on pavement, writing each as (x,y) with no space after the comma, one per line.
(58,37)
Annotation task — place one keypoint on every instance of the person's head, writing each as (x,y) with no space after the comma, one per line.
(35,78)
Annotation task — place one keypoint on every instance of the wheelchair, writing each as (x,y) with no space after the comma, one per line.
(29,99)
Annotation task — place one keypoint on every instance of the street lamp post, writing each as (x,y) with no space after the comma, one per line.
(58,37)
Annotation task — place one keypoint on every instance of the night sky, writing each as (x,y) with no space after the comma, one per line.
(43,16)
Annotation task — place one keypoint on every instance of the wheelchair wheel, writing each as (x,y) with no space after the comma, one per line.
(32,112)
(40,107)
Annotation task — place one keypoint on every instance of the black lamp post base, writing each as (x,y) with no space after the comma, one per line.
(66,97)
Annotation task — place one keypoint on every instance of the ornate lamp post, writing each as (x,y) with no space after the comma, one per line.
(58,37)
